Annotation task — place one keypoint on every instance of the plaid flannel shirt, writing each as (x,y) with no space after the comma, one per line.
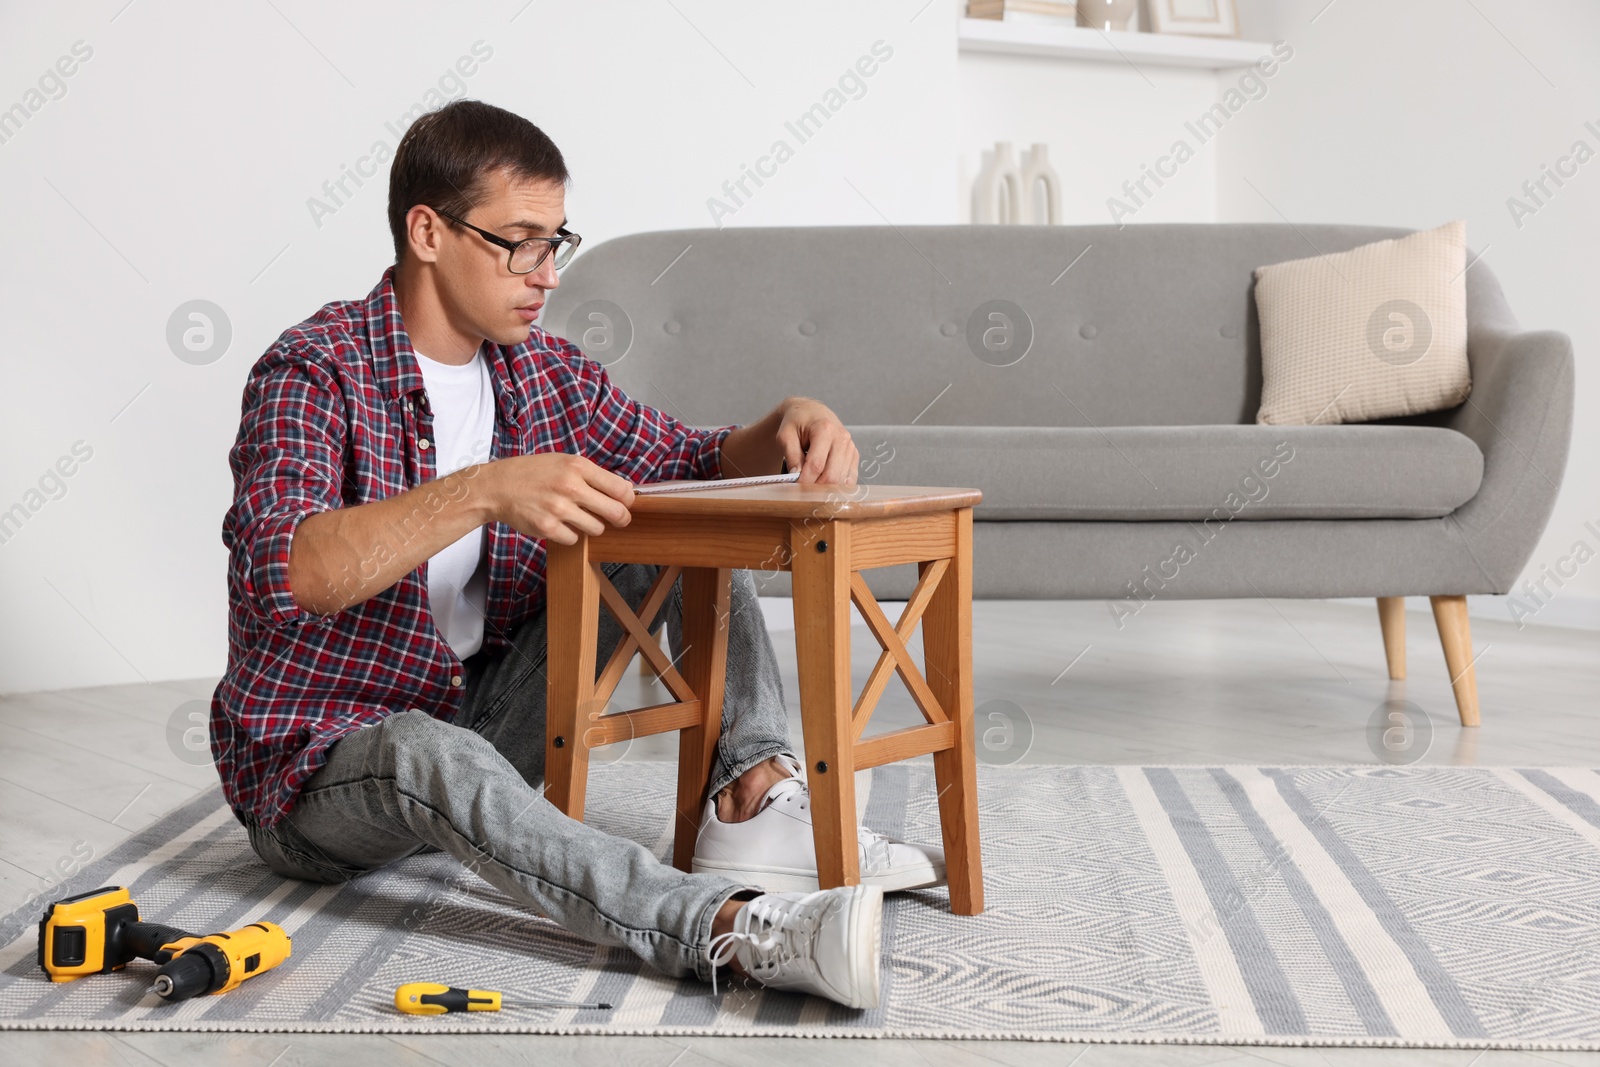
(335,415)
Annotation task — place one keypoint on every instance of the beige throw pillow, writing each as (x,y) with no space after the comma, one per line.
(1378,331)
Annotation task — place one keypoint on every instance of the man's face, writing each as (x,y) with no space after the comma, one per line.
(481,295)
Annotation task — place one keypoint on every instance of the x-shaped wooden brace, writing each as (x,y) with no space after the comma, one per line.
(892,639)
(659,718)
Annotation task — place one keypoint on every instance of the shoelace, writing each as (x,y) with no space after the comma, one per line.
(874,846)
(794,766)
(772,944)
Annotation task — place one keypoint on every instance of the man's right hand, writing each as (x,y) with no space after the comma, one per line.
(340,558)
(557,496)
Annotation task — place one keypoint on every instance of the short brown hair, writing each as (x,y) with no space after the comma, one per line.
(445,158)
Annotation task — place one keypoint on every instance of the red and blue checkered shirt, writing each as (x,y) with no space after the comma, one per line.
(335,415)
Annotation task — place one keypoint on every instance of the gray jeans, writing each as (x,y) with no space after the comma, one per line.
(413,783)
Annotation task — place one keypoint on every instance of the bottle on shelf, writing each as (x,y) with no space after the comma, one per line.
(997,190)
(1040,188)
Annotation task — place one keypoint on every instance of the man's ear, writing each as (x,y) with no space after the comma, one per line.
(424,233)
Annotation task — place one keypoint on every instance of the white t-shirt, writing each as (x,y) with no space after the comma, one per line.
(462,399)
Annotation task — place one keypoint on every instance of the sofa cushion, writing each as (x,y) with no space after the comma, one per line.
(1372,333)
(1147,473)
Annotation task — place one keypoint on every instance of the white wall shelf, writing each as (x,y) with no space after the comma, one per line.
(1114,46)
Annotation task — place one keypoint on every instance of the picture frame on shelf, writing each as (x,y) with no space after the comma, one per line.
(1197,18)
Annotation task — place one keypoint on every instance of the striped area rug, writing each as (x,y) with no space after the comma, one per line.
(1322,905)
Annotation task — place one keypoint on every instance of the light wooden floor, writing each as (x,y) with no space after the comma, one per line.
(1255,682)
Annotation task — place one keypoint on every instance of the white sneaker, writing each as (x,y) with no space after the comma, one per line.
(826,943)
(775,849)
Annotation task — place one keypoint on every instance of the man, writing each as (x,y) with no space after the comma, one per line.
(401,462)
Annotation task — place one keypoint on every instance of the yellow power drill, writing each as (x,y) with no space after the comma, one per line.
(100,932)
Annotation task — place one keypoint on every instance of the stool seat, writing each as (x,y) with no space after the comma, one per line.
(789,500)
(824,535)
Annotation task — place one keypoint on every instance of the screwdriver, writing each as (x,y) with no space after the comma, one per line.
(432,998)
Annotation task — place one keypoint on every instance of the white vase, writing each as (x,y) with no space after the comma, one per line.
(997,190)
(1041,188)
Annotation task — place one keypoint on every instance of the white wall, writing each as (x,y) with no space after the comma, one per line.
(1101,122)
(178,165)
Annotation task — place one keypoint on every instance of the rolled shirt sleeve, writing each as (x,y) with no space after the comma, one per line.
(286,464)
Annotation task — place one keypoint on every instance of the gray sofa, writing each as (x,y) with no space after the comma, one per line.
(1122,429)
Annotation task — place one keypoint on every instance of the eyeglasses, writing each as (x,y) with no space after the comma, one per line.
(525,257)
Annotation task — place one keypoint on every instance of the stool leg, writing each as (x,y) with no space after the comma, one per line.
(821,571)
(947,651)
(704,665)
(573,611)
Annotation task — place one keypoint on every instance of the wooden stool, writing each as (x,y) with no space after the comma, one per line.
(824,535)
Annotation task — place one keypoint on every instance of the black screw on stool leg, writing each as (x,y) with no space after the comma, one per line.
(561,742)
(822,766)
(822,546)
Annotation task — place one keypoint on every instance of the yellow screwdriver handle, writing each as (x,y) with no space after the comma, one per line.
(431,998)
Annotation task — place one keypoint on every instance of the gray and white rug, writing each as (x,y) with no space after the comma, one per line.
(1322,905)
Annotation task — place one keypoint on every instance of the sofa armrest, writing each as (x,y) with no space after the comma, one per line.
(1520,415)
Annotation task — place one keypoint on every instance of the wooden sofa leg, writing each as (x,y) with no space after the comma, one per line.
(1392,618)
(1450,613)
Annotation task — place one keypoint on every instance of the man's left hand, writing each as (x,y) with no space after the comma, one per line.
(815,443)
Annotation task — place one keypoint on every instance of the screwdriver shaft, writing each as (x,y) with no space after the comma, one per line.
(599,1005)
